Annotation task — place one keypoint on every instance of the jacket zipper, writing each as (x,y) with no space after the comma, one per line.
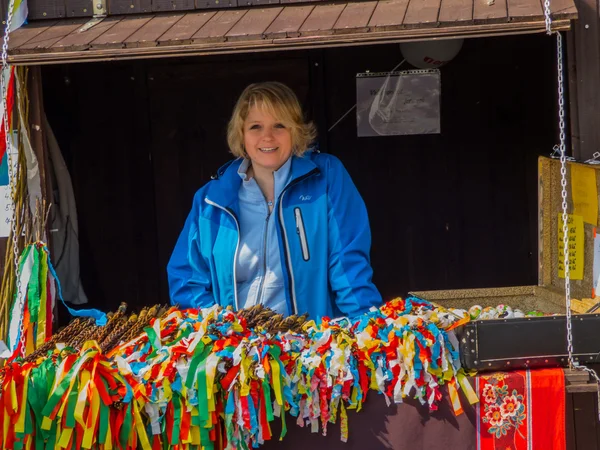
(237,246)
(286,248)
(262,282)
(301,233)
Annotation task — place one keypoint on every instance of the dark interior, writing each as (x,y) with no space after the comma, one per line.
(454,210)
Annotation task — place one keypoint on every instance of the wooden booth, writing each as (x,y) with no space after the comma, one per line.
(138,92)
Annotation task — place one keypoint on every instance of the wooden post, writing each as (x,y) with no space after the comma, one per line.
(584,72)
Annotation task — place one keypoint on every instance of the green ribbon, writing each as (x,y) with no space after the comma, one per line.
(33,288)
(41,379)
(267,400)
(207,444)
(201,383)
(176,419)
(51,443)
(103,426)
(191,376)
(13,345)
(63,387)
(127,426)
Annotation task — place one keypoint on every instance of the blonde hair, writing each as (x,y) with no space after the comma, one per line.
(279,101)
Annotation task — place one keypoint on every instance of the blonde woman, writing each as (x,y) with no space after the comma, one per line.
(280,225)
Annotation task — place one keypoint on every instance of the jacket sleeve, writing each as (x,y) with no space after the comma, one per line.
(350,271)
(188,272)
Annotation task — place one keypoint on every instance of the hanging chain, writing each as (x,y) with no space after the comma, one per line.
(548,16)
(12,173)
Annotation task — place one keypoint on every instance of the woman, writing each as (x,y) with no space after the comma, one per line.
(279,225)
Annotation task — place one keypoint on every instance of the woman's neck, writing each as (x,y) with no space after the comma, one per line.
(265,180)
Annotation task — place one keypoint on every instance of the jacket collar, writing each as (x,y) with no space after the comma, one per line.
(225,186)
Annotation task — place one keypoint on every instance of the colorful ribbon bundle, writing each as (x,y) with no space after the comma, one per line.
(31,314)
(204,379)
(34,302)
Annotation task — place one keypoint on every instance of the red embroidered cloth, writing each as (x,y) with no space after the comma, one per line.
(411,426)
(521,410)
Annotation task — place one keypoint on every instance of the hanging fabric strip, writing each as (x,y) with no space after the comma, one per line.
(96,314)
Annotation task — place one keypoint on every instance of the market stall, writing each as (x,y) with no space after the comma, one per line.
(132,184)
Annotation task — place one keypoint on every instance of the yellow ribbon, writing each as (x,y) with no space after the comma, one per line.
(65,437)
(139,426)
(467,388)
(89,435)
(277,383)
(82,398)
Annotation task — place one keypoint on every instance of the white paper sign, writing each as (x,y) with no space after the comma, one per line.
(398,103)
(5,194)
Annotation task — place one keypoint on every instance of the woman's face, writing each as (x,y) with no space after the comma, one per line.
(267,141)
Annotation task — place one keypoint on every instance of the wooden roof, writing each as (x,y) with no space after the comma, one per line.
(277,27)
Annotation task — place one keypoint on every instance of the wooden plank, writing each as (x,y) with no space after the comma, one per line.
(78,40)
(523,10)
(115,36)
(389,13)
(185,28)
(52,35)
(79,8)
(147,35)
(422,13)
(289,21)
(257,2)
(487,11)
(322,19)
(45,9)
(355,17)
(218,26)
(453,11)
(172,5)
(129,6)
(253,24)
(216,4)
(576,376)
(27,33)
(582,388)
(562,7)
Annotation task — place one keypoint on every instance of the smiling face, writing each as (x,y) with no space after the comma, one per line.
(267,140)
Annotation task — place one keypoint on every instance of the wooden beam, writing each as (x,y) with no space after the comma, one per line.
(585,51)
(201,47)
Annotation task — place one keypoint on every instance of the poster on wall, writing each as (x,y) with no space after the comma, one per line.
(5,194)
(398,103)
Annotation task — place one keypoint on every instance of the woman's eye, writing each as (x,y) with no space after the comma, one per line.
(255,127)
(279,125)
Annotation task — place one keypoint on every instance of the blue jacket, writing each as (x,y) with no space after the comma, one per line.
(323,232)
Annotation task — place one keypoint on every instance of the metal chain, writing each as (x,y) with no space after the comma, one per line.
(11,172)
(548,16)
(565,216)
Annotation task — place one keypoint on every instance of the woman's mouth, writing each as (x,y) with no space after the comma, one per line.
(268,149)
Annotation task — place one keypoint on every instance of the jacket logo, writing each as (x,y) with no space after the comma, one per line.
(305,198)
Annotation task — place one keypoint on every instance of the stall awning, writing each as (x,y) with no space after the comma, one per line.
(278,27)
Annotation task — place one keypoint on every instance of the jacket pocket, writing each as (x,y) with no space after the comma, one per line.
(301,234)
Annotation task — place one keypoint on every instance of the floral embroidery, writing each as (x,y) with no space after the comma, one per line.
(503,410)
(489,393)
